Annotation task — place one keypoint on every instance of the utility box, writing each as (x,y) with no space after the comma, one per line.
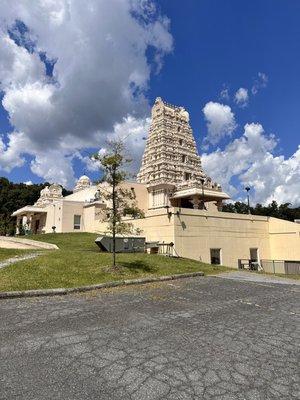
(130,244)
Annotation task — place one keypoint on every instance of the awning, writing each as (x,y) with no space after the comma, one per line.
(211,194)
(28,209)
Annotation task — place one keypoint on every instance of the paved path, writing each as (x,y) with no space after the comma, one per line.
(13,260)
(254,277)
(200,338)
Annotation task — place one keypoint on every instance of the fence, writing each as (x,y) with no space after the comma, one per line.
(272,266)
(281,266)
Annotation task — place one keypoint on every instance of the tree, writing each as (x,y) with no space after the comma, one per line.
(120,201)
(282,211)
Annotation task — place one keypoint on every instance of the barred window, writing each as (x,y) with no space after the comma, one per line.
(77,220)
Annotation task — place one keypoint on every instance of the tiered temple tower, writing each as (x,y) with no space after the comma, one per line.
(171,166)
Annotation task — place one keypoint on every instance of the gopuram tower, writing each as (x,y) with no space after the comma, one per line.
(171,166)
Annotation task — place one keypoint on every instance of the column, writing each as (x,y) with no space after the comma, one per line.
(17,225)
(196,202)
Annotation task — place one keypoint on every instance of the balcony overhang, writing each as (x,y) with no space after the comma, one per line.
(209,194)
(28,210)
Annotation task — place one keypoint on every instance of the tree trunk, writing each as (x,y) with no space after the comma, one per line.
(114,216)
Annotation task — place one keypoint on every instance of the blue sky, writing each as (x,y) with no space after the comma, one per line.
(203,47)
(229,42)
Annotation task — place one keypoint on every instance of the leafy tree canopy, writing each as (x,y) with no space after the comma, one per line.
(282,211)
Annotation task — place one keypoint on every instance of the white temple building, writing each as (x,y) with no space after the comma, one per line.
(182,205)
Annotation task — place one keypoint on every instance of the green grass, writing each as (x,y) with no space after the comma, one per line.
(79,262)
(10,253)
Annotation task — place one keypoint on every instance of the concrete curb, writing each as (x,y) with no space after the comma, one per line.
(80,289)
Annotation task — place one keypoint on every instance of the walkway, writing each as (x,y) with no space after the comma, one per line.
(259,278)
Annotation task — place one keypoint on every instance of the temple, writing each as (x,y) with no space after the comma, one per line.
(171,166)
(181,203)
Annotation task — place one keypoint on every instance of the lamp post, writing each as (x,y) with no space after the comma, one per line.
(247,188)
(202,184)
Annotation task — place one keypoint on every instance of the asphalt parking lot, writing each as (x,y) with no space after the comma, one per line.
(199,338)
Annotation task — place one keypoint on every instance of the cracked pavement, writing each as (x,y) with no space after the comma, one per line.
(199,338)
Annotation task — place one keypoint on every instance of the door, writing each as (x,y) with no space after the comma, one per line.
(254,255)
(36,226)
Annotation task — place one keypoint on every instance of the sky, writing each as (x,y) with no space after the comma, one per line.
(74,74)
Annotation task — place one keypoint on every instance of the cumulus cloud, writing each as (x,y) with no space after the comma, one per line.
(220,121)
(241,97)
(132,132)
(275,178)
(249,160)
(73,73)
(12,154)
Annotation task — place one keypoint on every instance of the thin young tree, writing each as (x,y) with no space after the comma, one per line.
(120,201)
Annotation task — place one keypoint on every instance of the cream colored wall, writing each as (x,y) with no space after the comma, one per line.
(69,209)
(54,217)
(141,194)
(156,226)
(196,232)
(89,218)
(211,206)
(284,239)
(92,214)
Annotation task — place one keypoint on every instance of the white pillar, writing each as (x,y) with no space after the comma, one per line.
(17,225)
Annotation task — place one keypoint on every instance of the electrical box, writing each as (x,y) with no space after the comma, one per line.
(130,244)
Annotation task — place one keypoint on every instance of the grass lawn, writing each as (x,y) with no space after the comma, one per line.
(79,262)
(10,253)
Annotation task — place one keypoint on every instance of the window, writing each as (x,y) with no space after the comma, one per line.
(187,176)
(215,256)
(77,220)
(180,142)
(183,158)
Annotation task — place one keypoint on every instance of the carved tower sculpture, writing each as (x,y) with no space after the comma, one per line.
(171,166)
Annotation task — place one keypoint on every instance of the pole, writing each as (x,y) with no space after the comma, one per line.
(203,203)
(247,188)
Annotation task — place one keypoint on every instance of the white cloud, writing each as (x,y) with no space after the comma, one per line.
(241,97)
(248,160)
(259,83)
(220,121)
(54,168)
(275,178)
(132,132)
(100,76)
(224,94)
(11,155)
(28,183)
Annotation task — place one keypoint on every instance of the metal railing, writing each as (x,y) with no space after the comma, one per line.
(288,267)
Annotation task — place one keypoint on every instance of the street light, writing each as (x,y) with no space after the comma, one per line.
(202,180)
(247,188)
